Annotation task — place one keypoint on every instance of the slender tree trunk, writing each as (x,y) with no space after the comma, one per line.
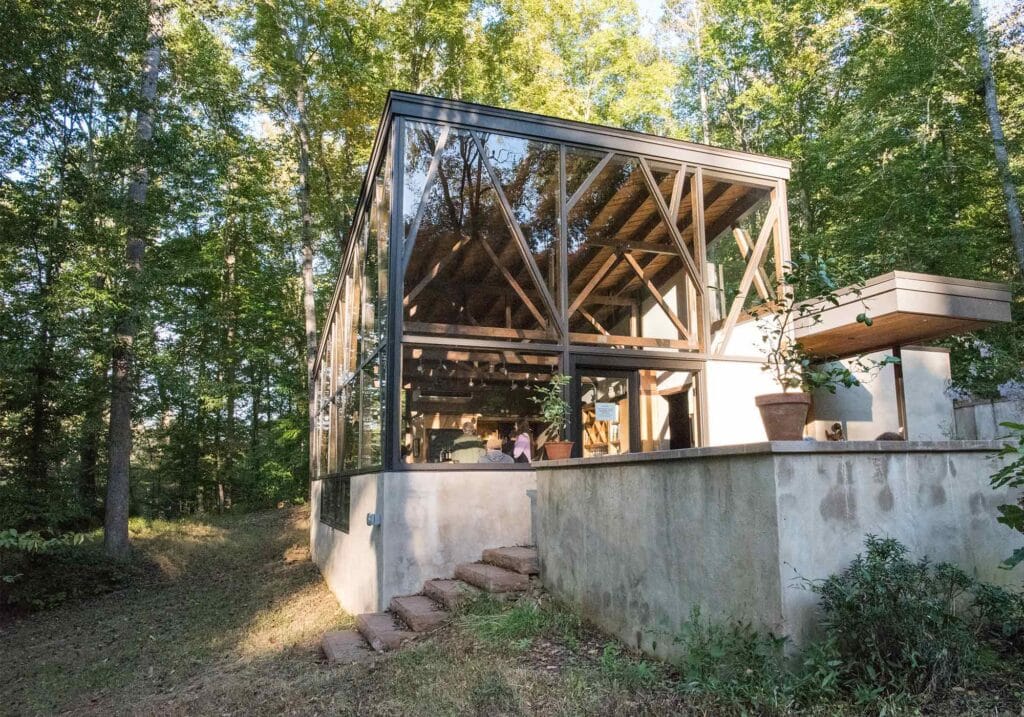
(227,474)
(698,33)
(308,296)
(995,122)
(115,527)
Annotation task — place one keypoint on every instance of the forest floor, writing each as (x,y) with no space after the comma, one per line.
(231,620)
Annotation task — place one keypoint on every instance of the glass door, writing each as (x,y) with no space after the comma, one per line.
(605,411)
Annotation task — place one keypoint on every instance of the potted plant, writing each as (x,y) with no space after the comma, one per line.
(555,410)
(797,372)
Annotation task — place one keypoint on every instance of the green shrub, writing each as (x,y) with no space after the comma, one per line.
(523,620)
(624,670)
(61,571)
(900,625)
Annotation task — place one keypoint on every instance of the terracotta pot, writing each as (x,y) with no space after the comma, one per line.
(556,450)
(784,415)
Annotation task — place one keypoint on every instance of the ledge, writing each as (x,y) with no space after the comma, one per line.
(780,448)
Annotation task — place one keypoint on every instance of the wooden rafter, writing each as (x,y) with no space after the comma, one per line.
(611,261)
(746,246)
(436,269)
(748,274)
(658,297)
(594,322)
(659,202)
(516,287)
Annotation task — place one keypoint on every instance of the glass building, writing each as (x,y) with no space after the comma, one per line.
(492,249)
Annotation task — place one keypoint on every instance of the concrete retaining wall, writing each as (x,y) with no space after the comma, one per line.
(979,420)
(636,544)
(430,522)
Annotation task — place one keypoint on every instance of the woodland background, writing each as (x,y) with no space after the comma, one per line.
(228,140)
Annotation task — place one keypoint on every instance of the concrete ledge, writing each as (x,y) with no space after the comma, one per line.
(777,447)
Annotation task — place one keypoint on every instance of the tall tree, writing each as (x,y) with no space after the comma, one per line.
(995,122)
(115,524)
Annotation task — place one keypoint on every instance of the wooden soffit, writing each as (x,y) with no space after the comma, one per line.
(905,308)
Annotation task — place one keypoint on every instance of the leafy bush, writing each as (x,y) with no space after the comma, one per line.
(909,626)
(625,671)
(37,573)
(1012,475)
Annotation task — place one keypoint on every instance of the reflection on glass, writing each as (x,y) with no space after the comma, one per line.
(444,390)
(421,141)
(372,410)
(467,274)
(627,277)
(734,215)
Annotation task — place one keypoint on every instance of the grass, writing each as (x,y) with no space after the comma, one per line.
(229,621)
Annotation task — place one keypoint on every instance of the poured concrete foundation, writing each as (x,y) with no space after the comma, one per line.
(637,542)
(430,521)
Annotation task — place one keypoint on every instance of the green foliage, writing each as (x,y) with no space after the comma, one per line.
(1011,475)
(550,399)
(806,292)
(523,621)
(626,671)
(900,625)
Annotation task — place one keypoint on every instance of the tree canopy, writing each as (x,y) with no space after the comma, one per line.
(262,117)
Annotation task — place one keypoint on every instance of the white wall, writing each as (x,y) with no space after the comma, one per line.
(926,378)
(732,414)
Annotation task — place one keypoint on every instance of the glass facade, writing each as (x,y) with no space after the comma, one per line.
(517,249)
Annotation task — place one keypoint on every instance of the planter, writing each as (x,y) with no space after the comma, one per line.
(784,415)
(557,450)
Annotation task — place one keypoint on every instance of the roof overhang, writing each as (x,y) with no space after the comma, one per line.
(905,308)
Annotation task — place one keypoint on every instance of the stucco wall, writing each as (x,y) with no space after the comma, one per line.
(636,544)
(430,522)
(979,420)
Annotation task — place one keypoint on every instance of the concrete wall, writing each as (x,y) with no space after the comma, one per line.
(979,420)
(430,521)
(637,543)
(872,408)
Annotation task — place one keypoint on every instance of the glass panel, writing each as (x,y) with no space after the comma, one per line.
(420,145)
(466,275)
(353,303)
(350,417)
(668,410)
(457,402)
(579,163)
(323,417)
(604,414)
(626,276)
(375,264)
(333,429)
(371,412)
(528,173)
(734,215)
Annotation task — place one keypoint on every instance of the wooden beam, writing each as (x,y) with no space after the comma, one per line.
(588,180)
(748,275)
(639,341)
(462,330)
(659,202)
(677,192)
(594,322)
(517,233)
(637,246)
(611,261)
(516,287)
(658,297)
(746,247)
(436,269)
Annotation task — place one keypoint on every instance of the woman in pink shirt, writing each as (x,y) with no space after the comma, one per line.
(522,451)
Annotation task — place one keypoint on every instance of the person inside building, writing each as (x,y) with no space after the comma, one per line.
(523,450)
(467,448)
(494,453)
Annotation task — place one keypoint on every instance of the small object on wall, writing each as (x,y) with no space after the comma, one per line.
(373,519)
(835,433)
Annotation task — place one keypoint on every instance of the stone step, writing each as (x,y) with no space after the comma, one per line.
(418,612)
(517,559)
(492,578)
(453,594)
(345,647)
(382,631)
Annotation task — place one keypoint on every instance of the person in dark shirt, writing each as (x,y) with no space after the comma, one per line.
(494,453)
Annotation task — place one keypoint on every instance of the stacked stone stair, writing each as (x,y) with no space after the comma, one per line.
(503,572)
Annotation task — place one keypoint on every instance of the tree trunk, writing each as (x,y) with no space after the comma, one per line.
(698,33)
(995,122)
(308,296)
(115,527)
